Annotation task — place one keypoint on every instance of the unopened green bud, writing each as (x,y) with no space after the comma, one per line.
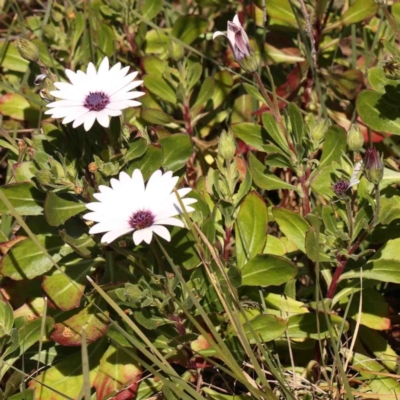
(373,165)
(319,130)
(391,69)
(250,63)
(355,138)
(226,145)
(27,50)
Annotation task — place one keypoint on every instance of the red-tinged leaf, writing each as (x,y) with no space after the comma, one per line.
(285,91)
(118,375)
(68,333)
(5,246)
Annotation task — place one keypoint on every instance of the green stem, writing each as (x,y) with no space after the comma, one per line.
(349,217)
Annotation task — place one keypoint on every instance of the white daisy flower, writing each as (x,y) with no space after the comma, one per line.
(95,95)
(130,206)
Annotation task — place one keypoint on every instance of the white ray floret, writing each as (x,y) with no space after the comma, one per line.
(131,206)
(94,95)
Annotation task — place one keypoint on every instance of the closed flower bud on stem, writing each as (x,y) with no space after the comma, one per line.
(27,50)
(373,164)
(340,188)
(226,145)
(391,69)
(355,139)
(240,45)
(319,130)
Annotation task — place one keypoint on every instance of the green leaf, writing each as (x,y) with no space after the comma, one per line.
(189,27)
(65,289)
(274,246)
(276,134)
(334,147)
(66,376)
(281,10)
(306,326)
(59,209)
(150,8)
(250,228)
(157,85)
(223,87)
(24,197)
(11,59)
(375,312)
(148,163)
(29,334)
(296,120)
(156,117)
(293,225)
(312,247)
(177,150)
(24,171)
(360,10)
(265,179)
(117,373)
(254,92)
(252,134)
(135,149)
(378,112)
(26,261)
(376,375)
(213,395)
(106,39)
(378,80)
(205,93)
(69,332)
(266,327)
(267,270)
(6,318)
(84,245)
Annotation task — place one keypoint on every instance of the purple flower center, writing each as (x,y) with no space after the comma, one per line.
(340,187)
(141,219)
(96,101)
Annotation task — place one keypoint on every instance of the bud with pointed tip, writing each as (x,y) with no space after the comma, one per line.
(373,165)
(240,45)
(355,138)
(340,188)
(27,50)
(319,130)
(391,69)
(226,145)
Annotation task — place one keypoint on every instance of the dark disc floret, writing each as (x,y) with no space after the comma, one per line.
(340,187)
(141,219)
(96,101)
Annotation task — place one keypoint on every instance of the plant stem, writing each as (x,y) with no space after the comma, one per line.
(390,19)
(341,260)
(349,217)
(306,198)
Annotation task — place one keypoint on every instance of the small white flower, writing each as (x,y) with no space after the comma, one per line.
(238,39)
(95,95)
(130,206)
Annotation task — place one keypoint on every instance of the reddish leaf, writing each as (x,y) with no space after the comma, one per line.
(118,374)
(5,246)
(68,333)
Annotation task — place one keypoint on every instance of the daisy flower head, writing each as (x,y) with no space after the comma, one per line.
(94,95)
(131,206)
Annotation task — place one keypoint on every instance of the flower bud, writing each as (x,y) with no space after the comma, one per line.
(373,164)
(27,50)
(340,188)
(391,69)
(93,167)
(226,145)
(319,130)
(250,63)
(355,139)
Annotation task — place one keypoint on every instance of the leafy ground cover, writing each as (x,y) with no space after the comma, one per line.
(199,216)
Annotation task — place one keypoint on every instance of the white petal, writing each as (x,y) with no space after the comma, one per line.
(106,226)
(91,71)
(112,235)
(123,82)
(103,119)
(126,96)
(170,221)
(65,103)
(121,105)
(236,20)
(162,231)
(90,117)
(103,69)
(66,95)
(113,113)
(218,33)
(142,234)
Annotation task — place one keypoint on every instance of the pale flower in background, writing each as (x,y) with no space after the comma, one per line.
(94,95)
(131,206)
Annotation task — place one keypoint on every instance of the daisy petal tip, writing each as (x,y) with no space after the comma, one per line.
(218,33)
